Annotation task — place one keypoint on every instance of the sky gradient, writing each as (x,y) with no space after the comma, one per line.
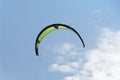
(61,54)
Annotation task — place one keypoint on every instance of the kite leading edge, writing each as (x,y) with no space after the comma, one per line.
(50,28)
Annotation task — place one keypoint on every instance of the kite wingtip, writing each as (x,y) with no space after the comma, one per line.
(37,54)
(36,51)
(83,46)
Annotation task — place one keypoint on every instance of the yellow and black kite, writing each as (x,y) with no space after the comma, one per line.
(50,28)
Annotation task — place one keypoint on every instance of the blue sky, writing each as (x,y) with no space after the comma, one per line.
(61,54)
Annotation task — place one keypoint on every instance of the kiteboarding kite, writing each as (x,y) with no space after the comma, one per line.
(50,28)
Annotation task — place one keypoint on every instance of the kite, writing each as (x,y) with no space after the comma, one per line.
(53,27)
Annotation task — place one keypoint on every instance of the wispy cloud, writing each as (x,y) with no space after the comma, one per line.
(100,63)
(96,12)
(64,48)
(61,68)
(75,77)
(66,68)
(97,15)
(67,59)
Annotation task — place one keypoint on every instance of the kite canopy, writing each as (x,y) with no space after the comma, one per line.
(50,28)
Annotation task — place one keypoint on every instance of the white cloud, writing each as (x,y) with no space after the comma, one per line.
(102,62)
(61,68)
(67,53)
(74,64)
(67,60)
(64,48)
(75,77)
(66,68)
